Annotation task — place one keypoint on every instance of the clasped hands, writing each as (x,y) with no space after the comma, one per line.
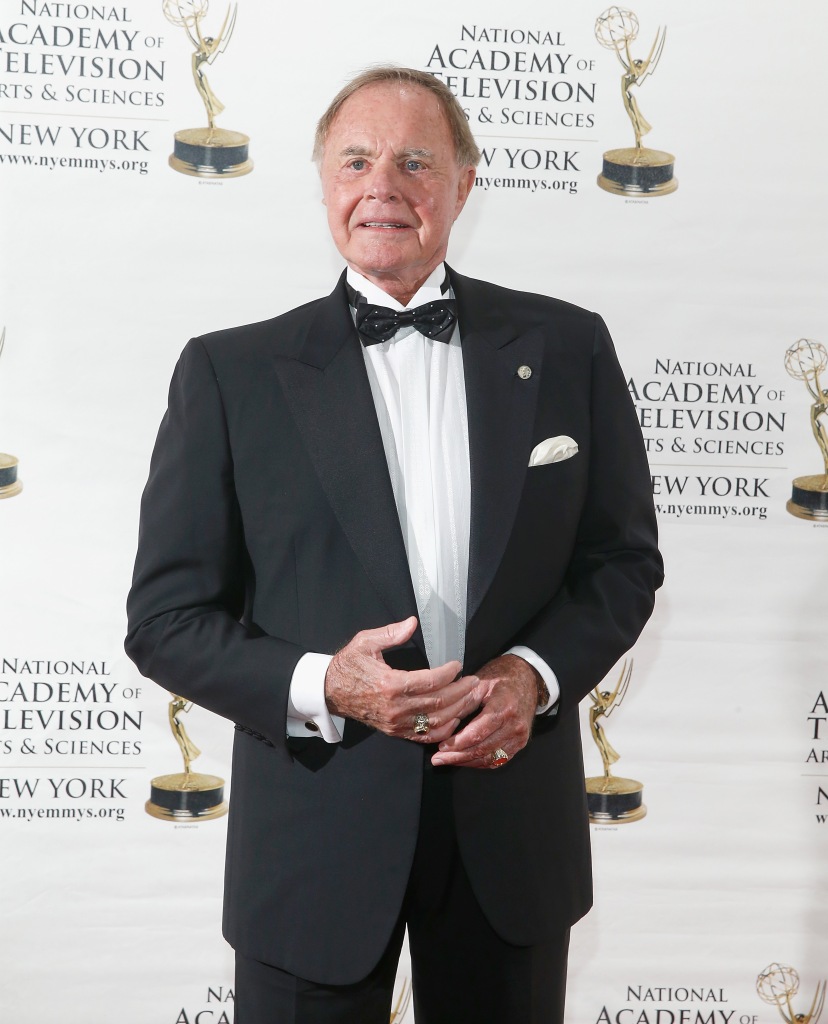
(360,685)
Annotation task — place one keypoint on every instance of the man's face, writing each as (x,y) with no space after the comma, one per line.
(391,185)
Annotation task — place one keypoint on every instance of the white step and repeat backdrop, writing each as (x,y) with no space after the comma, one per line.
(111,260)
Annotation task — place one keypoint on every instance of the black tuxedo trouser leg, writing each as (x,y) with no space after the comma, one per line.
(462,970)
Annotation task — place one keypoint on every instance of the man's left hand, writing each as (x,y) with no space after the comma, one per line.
(508,693)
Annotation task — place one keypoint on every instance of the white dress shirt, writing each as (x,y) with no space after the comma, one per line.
(420,398)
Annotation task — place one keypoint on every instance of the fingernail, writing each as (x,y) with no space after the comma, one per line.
(437,760)
(443,746)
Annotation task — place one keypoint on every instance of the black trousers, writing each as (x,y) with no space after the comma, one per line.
(461,969)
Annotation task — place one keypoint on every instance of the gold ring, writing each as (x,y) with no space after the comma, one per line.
(420,724)
(499,757)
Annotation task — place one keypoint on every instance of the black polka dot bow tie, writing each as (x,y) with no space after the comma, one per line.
(433,319)
(379,323)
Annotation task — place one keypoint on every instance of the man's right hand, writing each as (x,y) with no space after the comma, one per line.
(360,685)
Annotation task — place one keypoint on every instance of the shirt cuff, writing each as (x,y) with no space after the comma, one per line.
(307,712)
(548,676)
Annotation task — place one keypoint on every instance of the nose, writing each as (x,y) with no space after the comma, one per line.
(383,183)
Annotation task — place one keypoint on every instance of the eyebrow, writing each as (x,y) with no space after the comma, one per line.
(356,150)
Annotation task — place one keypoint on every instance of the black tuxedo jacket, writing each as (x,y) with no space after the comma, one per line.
(269,529)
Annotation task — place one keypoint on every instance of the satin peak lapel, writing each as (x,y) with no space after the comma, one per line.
(501,398)
(330,397)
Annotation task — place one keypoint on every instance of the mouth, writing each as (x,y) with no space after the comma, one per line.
(385,225)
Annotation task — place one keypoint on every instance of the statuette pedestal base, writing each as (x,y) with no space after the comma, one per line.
(614,801)
(211,153)
(638,172)
(9,484)
(187,796)
(809,498)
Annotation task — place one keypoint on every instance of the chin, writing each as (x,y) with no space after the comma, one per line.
(378,261)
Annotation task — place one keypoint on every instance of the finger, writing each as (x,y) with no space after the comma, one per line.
(457,704)
(480,754)
(484,734)
(451,704)
(442,719)
(480,733)
(435,734)
(472,759)
(501,712)
(380,639)
(425,682)
(461,693)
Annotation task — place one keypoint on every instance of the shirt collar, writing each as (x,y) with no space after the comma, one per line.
(429,291)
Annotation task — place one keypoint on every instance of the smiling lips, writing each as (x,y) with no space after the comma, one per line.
(383,224)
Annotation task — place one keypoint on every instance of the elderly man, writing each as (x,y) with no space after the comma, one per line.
(396,535)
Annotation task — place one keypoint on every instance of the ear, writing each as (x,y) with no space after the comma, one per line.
(464,187)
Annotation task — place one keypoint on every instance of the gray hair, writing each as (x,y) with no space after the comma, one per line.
(465,148)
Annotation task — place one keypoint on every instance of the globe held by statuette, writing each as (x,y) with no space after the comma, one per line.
(777,983)
(616,26)
(805,359)
(185,12)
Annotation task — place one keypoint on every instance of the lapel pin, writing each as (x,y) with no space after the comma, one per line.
(524,372)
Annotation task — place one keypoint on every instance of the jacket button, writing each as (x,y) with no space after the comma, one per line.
(524,372)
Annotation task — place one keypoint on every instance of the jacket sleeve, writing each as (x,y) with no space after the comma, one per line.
(191,584)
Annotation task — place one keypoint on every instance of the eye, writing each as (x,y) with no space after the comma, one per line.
(413,165)
(357,165)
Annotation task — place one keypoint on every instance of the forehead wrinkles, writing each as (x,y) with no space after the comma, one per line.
(382,115)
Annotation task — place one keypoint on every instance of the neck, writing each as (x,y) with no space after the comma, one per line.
(403,289)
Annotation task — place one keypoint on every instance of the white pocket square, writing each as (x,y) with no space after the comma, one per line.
(553,449)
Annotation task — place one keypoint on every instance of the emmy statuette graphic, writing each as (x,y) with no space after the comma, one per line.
(805,360)
(611,800)
(778,983)
(209,152)
(187,795)
(9,484)
(636,170)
